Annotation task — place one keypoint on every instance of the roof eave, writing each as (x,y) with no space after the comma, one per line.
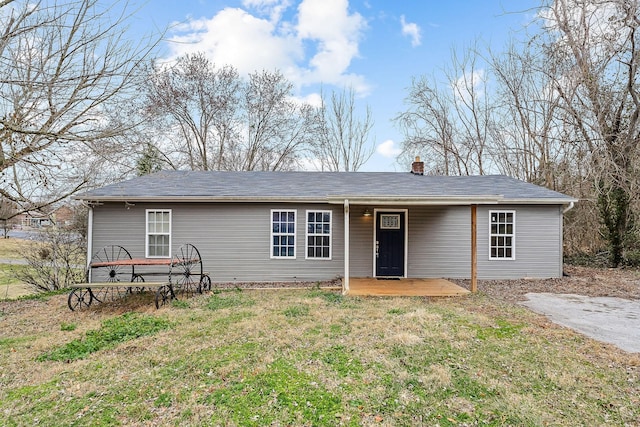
(357,200)
(198,199)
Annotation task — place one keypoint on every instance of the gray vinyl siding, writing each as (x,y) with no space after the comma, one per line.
(538,243)
(439,242)
(234,240)
(360,242)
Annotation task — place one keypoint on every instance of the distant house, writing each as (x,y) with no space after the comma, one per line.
(63,216)
(34,219)
(311,226)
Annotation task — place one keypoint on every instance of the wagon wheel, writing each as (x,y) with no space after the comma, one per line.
(137,278)
(106,267)
(205,284)
(80,298)
(186,269)
(163,295)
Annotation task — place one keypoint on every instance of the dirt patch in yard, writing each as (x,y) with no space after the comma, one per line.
(593,282)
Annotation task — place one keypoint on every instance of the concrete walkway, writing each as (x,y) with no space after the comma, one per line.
(13,261)
(612,320)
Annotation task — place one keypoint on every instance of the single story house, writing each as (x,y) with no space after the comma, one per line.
(315,226)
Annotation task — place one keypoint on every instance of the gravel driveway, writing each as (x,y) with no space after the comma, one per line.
(608,319)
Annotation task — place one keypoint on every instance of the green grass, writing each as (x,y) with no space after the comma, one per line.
(8,274)
(112,332)
(256,358)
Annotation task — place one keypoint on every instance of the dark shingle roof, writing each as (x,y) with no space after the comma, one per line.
(320,186)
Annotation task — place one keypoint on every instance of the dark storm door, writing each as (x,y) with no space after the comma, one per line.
(390,244)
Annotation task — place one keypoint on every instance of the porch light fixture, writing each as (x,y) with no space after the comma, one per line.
(367,212)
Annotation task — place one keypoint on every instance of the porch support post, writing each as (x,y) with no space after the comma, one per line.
(474,248)
(89,240)
(345,280)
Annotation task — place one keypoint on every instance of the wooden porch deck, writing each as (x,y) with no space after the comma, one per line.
(369,286)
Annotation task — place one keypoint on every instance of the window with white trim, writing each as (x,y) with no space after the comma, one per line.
(283,234)
(158,233)
(502,234)
(319,234)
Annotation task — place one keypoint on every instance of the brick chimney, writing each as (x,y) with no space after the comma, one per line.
(417,167)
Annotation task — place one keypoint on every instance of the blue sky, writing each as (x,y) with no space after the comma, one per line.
(374,46)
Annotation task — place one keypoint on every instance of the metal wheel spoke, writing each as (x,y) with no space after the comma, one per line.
(79,298)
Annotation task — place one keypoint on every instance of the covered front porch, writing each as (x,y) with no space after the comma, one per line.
(371,286)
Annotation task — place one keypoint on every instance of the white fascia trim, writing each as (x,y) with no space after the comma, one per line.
(537,201)
(203,199)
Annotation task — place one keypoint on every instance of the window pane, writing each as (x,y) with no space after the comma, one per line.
(326,229)
(326,217)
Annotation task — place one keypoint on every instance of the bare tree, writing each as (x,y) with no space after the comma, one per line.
(278,129)
(344,137)
(215,120)
(594,44)
(200,103)
(429,130)
(63,68)
(450,124)
(7,212)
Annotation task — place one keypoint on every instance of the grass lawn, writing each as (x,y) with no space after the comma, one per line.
(10,287)
(306,357)
(11,248)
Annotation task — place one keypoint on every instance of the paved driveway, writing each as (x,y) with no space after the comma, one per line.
(607,319)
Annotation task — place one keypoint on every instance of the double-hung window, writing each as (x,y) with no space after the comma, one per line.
(158,242)
(283,233)
(502,234)
(319,234)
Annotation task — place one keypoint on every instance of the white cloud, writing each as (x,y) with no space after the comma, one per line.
(412,30)
(336,33)
(313,99)
(272,8)
(236,37)
(388,149)
(315,46)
